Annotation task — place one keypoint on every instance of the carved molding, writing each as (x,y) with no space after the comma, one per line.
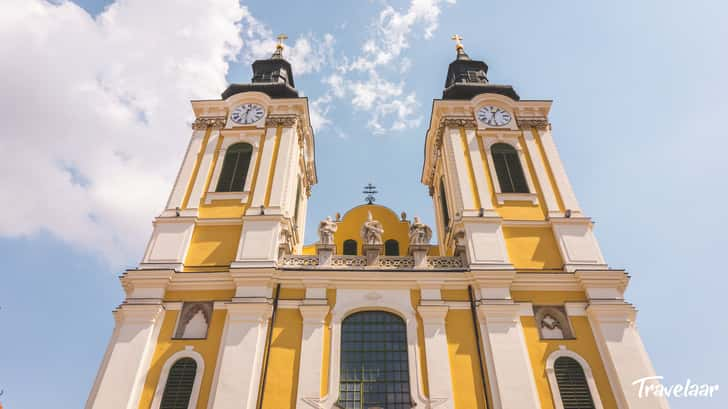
(204,122)
(538,123)
(281,120)
(466,122)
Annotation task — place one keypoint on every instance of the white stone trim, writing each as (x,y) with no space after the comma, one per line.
(397,302)
(551,374)
(552,205)
(557,168)
(510,138)
(176,196)
(264,170)
(310,368)
(437,355)
(188,352)
(249,137)
(203,170)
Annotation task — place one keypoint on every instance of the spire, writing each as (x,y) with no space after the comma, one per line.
(272,76)
(467,78)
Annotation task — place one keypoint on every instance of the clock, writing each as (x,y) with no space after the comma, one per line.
(247,114)
(493,116)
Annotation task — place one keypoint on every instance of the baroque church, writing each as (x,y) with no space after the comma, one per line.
(513,307)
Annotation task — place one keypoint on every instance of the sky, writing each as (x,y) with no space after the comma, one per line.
(96,118)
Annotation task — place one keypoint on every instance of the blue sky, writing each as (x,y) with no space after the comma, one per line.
(639,118)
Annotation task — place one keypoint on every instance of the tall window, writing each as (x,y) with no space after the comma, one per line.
(374,365)
(178,390)
(572,383)
(443,205)
(508,168)
(391,248)
(235,168)
(350,247)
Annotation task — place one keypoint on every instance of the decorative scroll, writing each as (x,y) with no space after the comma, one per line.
(204,122)
(538,123)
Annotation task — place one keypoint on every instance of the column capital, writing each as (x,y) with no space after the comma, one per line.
(614,312)
(138,313)
(603,284)
(433,314)
(314,314)
(499,313)
(249,312)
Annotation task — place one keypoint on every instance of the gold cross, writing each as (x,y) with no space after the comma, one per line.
(280,38)
(458,44)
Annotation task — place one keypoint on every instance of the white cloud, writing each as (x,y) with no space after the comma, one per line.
(363,78)
(97,112)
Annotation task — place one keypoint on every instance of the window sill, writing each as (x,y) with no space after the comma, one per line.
(212,196)
(517,197)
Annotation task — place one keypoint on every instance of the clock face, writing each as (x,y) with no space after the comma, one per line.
(493,116)
(247,114)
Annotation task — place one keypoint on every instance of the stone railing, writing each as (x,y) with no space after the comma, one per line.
(339,262)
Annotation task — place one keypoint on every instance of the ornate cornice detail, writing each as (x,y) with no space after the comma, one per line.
(281,120)
(466,122)
(538,123)
(204,122)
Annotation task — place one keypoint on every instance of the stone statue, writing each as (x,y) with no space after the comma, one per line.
(419,233)
(327,228)
(371,231)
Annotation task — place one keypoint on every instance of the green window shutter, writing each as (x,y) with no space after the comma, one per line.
(572,383)
(235,168)
(508,169)
(350,247)
(391,248)
(178,390)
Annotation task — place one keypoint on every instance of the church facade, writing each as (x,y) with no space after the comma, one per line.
(514,306)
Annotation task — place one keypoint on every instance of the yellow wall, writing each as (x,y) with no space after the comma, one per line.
(166,347)
(464,366)
(584,345)
(281,383)
(532,247)
(350,226)
(212,246)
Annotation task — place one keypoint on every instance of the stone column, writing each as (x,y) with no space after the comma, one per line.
(314,313)
(325,252)
(438,359)
(509,368)
(372,252)
(623,353)
(124,369)
(241,356)
(419,252)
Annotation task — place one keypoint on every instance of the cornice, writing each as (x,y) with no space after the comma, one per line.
(536,122)
(204,122)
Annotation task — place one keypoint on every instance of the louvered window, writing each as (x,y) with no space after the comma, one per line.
(572,383)
(178,390)
(235,168)
(350,247)
(391,248)
(508,168)
(374,364)
(443,206)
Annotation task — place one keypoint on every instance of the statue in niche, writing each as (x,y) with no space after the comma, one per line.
(371,231)
(551,328)
(327,228)
(419,233)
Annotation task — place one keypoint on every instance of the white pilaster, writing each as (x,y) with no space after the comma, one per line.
(486,246)
(438,359)
(578,245)
(283,169)
(509,368)
(169,243)
(185,171)
(204,170)
(456,153)
(259,239)
(476,159)
(261,184)
(241,356)
(557,167)
(542,176)
(121,377)
(309,377)
(623,353)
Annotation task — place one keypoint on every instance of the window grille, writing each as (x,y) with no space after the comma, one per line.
(178,390)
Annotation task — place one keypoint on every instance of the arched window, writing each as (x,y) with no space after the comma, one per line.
(508,168)
(391,248)
(443,205)
(235,168)
(572,383)
(350,247)
(180,381)
(374,365)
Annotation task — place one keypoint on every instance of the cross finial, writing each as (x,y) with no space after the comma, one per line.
(280,38)
(458,44)
(370,190)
